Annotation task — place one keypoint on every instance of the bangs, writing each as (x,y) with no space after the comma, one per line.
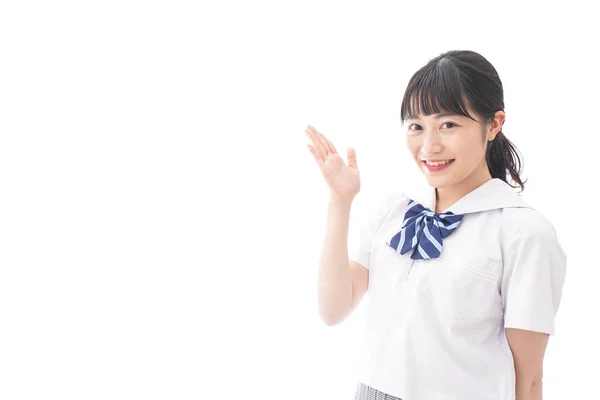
(434,89)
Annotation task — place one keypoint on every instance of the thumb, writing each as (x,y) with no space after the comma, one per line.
(352,158)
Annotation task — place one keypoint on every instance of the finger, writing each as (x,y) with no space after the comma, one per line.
(319,136)
(316,155)
(317,144)
(352,158)
(329,144)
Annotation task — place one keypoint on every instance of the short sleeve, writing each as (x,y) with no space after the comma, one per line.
(360,251)
(533,277)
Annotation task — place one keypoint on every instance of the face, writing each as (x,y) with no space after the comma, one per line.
(450,149)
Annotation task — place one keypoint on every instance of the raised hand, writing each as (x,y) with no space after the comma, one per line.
(343,180)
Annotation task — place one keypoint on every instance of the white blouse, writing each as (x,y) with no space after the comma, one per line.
(435,327)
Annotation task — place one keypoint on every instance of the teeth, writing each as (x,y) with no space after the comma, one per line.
(437,163)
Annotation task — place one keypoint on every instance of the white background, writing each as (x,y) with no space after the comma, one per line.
(161,216)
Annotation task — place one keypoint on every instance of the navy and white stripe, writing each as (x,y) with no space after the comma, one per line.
(423,230)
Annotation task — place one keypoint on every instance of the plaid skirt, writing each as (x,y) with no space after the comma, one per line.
(364,392)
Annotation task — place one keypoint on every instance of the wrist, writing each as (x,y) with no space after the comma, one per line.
(340,202)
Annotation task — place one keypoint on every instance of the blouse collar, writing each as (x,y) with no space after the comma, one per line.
(491,195)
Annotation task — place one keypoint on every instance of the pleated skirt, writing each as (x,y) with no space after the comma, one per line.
(364,392)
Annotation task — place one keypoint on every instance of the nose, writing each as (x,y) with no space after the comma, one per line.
(432,143)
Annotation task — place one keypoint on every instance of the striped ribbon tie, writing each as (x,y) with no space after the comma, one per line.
(424,230)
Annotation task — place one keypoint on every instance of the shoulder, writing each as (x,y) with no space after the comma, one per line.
(526,230)
(397,198)
(523,222)
(385,204)
(390,200)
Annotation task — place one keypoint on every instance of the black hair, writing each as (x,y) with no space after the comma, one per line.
(458,79)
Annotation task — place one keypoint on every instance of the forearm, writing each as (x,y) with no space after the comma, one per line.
(528,389)
(335,286)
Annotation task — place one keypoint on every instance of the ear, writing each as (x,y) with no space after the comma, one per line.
(496,125)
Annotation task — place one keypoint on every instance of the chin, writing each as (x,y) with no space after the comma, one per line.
(439,181)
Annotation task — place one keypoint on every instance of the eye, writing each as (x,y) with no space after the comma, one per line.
(450,123)
(416,125)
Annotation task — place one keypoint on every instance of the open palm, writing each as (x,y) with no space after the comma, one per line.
(343,180)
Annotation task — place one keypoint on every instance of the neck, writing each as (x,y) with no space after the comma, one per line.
(447,196)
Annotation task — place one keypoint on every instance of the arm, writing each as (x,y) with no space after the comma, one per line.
(344,275)
(534,274)
(337,295)
(528,348)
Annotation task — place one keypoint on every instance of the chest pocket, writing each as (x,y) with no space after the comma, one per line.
(458,290)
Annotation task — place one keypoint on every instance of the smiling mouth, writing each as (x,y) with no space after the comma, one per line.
(437,163)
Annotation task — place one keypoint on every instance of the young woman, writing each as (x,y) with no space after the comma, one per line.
(465,278)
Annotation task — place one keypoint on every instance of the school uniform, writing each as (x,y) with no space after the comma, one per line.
(435,326)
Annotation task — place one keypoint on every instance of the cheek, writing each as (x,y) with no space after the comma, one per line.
(472,152)
(466,146)
(412,145)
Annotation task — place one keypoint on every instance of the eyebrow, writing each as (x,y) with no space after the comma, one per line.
(438,116)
